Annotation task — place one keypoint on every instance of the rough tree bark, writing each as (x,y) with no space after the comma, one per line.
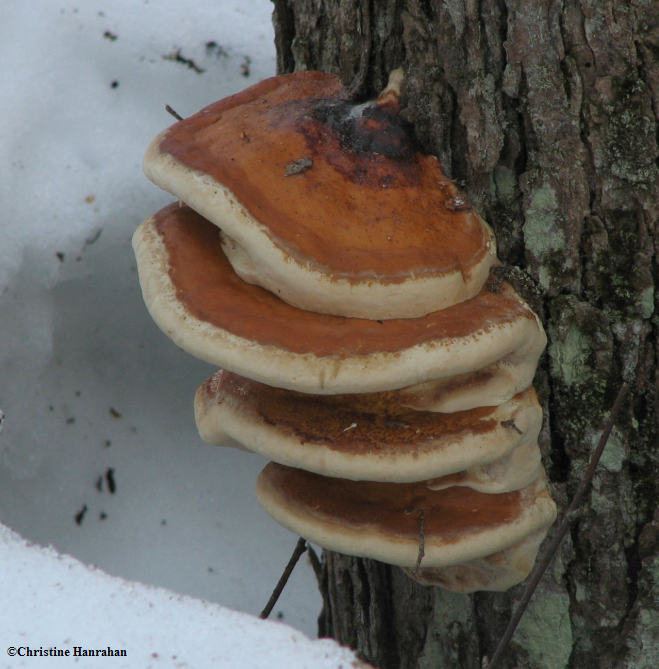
(545,112)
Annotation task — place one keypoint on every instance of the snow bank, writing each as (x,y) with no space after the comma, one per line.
(52,603)
(99,455)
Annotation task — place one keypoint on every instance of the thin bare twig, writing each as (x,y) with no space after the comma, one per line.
(174,113)
(552,548)
(422,540)
(300,547)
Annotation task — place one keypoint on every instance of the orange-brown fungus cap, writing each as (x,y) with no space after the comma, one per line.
(361,423)
(390,521)
(339,189)
(361,436)
(196,297)
(448,514)
(211,291)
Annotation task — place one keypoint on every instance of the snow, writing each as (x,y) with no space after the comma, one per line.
(93,394)
(155,627)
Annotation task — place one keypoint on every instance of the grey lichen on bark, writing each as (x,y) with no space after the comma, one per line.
(546,113)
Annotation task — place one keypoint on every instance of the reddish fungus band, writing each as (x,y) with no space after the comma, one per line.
(210,290)
(357,213)
(350,423)
(449,514)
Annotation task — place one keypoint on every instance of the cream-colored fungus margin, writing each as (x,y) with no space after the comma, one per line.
(515,470)
(374,541)
(497,572)
(256,257)
(224,419)
(489,386)
(307,372)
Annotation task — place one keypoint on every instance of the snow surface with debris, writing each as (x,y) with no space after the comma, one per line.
(99,455)
(152,626)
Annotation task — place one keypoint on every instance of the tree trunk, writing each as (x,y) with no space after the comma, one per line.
(545,113)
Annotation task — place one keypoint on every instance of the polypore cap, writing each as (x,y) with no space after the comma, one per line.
(328,205)
(194,295)
(391,521)
(372,437)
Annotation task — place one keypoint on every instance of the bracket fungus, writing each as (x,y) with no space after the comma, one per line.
(342,284)
(372,436)
(391,521)
(326,204)
(196,297)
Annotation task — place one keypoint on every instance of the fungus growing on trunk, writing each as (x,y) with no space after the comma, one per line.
(195,296)
(372,437)
(406,524)
(326,204)
(341,282)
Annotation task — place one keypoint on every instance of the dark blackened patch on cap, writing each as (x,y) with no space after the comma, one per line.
(368,143)
(368,128)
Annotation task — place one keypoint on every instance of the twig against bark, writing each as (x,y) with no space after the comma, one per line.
(422,539)
(552,548)
(300,547)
